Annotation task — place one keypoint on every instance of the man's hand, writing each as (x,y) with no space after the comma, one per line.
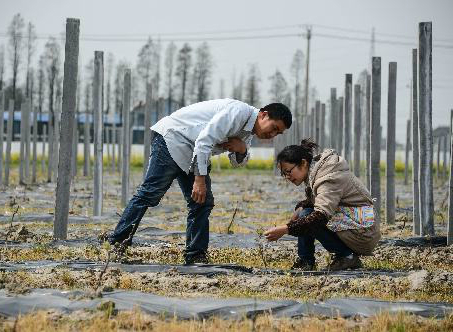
(275,233)
(199,189)
(235,144)
(296,214)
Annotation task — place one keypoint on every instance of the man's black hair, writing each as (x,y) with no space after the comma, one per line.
(278,111)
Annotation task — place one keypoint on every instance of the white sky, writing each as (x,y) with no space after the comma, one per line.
(331,58)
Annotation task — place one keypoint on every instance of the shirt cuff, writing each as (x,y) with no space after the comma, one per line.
(201,162)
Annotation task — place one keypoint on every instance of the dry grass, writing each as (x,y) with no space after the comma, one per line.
(138,321)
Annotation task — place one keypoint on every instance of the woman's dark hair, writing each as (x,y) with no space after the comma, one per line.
(294,154)
(278,111)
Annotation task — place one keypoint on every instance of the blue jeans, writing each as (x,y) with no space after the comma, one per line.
(329,240)
(161,172)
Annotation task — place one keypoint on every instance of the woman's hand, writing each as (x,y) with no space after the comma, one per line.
(275,233)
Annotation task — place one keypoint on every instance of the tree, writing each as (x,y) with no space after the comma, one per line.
(31,48)
(148,65)
(169,70)
(202,72)
(279,87)
(222,88)
(252,93)
(297,71)
(237,89)
(119,82)
(41,83)
(15,34)
(184,64)
(2,66)
(52,65)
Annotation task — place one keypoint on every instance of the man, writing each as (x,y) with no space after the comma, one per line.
(181,147)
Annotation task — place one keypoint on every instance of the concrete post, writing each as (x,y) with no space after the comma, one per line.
(56,136)
(119,133)
(112,168)
(147,129)
(375,153)
(406,159)
(316,121)
(444,159)
(126,138)
(347,116)
(415,148)
(2,112)
(43,151)
(22,143)
(368,131)
(75,144)
(27,139)
(69,102)
(425,128)
(35,145)
(357,129)
(9,138)
(50,140)
(322,125)
(340,125)
(98,97)
(450,198)
(333,119)
(439,141)
(107,140)
(86,144)
(390,168)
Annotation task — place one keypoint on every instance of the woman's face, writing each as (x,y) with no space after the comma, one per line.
(294,173)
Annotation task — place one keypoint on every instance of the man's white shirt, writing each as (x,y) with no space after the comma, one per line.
(195,132)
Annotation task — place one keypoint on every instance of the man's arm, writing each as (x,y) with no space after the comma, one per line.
(238,159)
(223,125)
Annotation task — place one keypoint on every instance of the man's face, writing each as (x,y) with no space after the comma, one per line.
(267,128)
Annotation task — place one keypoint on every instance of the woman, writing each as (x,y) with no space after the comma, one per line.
(338,209)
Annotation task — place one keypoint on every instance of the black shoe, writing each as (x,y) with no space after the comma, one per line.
(345,262)
(304,265)
(199,258)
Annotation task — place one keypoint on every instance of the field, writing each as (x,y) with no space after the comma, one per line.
(243,265)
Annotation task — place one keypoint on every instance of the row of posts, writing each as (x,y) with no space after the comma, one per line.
(62,147)
(342,109)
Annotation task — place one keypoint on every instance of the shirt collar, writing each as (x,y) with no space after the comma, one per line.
(251,121)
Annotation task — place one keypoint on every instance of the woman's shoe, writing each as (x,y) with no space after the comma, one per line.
(304,265)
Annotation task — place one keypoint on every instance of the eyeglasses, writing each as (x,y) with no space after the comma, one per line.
(287,173)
